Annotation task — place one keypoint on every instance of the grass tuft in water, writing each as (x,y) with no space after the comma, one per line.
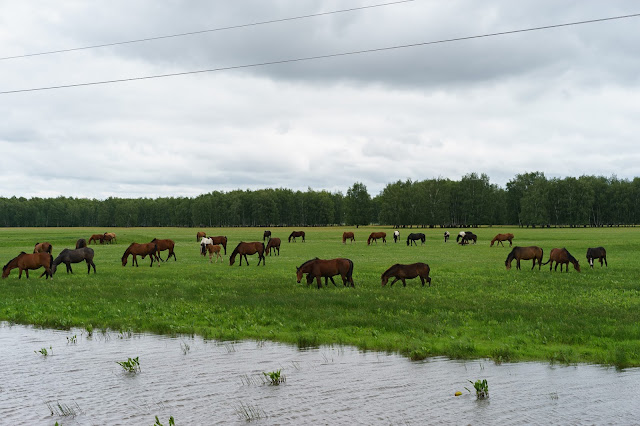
(172,422)
(131,365)
(45,352)
(250,412)
(482,388)
(274,377)
(63,410)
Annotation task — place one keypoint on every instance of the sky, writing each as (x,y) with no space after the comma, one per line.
(562,101)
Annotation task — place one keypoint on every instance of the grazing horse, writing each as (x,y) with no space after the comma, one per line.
(135,249)
(466,237)
(212,249)
(110,237)
(402,272)
(348,236)
(446,236)
(562,257)
(502,237)
(165,245)
(412,238)
(266,235)
(318,268)
(243,249)
(524,253)
(68,257)
(597,253)
(222,240)
(274,243)
(81,243)
(43,248)
(375,236)
(296,234)
(96,238)
(25,261)
(396,236)
(200,235)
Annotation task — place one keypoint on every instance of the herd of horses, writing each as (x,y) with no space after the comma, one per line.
(559,256)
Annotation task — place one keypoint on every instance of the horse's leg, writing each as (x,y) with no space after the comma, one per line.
(89,265)
(605,261)
(404,283)
(69,268)
(422,280)
(392,282)
(27,272)
(319,281)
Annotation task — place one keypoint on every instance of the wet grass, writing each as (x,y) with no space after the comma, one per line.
(474,308)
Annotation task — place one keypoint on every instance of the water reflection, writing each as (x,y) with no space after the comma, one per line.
(206,382)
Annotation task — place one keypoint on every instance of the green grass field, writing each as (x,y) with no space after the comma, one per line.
(474,308)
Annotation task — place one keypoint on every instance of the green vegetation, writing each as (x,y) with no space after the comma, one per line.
(275,377)
(473,309)
(481,387)
(131,365)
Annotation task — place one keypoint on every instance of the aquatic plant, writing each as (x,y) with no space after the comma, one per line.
(185,347)
(131,365)
(250,412)
(275,377)
(63,410)
(44,351)
(72,340)
(172,422)
(482,388)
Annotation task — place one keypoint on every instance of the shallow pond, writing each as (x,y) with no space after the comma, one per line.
(198,382)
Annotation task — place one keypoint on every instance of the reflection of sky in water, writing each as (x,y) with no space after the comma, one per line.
(206,382)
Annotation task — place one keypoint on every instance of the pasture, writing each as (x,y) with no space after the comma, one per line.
(474,307)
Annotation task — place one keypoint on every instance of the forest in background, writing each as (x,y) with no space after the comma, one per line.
(529,199)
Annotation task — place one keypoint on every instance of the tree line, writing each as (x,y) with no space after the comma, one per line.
(529,199)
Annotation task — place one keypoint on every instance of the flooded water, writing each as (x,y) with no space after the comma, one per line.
(202,382)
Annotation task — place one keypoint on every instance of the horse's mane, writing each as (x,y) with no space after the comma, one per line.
(570,257)
(308,261)
(388,271)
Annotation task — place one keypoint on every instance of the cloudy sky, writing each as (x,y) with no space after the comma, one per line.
(563,101)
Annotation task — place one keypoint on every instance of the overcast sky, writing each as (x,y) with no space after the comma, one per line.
(564,101)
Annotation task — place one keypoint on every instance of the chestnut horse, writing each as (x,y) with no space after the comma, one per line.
(402,272)
(597,253)
(318,268)
(165,245)
(274,243)
(502,237)
(212,249)
(348,236)
(43,248)
(243,249)
(266,235)
(524,253)
(375,236)
(200,235)
(25,261)
(96,238)
(222,240)
(81,243)
(296,234)
(562,257)
(110,237)
(135,249)
(412,238)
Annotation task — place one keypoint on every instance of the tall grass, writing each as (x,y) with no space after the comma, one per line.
(474,308)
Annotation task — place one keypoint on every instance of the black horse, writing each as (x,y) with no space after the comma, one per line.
(266,235)
(68,257)
(412,238)
(597,253)
(468,236)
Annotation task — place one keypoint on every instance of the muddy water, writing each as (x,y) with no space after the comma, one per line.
(204,382)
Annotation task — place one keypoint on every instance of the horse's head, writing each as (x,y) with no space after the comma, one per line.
(299,274)
(385,280)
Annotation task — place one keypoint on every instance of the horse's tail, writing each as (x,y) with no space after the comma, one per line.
(350,271)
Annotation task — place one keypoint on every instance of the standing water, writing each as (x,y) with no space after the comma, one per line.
(72,378)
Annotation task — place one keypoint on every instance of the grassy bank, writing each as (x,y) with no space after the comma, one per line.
(474,308)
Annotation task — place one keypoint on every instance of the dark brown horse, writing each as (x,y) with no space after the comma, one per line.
(402,272)
(562,257)
(597,253)
(348,236)
(135,249)
(502,237)
(96,238)
(296,234)
(43,248)
(68,257)
(413,237)
(165,245)
(524,253)
(243,249)
(81,243)
(467,236)
(274,243)
(266,235)
(377,235)
(222,240)
(318,268)
(25,261)
(200,235)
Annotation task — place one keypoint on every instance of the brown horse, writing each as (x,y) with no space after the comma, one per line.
(502,237)
(266,235)
(135,249)
(222,240)
(562,257)
(524,253)
(274,243)
(402,272)
(43,248)
(348,236)
(318,268)
(597,253)
(81,243)
(165,245)
(200,235)
(96,238)
(243,249)
(296,234)
(212,249)
(375,236)
(25,261)
(109,237)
